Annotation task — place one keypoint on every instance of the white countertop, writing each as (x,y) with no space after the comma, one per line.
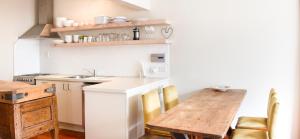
(59,77)
(112,84)
(126,84)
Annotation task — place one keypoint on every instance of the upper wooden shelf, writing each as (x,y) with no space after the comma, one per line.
(112,25)
(115,43)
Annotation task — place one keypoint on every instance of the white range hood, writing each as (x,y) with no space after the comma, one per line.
(138,4)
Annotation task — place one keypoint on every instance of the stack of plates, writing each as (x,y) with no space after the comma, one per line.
(120,19)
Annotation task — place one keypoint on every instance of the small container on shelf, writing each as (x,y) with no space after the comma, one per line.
(136,33)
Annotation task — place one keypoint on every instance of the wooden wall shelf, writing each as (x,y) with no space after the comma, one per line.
(115,43)
(112,26)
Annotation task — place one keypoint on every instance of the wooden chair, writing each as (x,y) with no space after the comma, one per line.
(151,108)
(260,134)
(258,123)
(170,95)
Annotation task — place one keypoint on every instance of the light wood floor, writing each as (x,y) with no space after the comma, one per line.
(66,134)
(63,134)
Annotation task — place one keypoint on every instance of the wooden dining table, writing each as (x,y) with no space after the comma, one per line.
(207,114)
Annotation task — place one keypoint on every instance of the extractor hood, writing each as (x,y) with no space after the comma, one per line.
(44,21)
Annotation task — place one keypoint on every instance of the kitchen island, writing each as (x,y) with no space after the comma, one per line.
(113,109)
(102,107)
(27,110)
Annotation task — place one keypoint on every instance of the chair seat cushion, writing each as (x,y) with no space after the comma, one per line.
(252,123)
(249,134)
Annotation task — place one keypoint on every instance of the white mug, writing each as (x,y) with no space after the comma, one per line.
(68,38)
(85,39)
(90,39)
(59,22)
(76,38)
(68,23)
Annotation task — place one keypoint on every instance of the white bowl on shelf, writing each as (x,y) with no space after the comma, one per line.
(58,41)
(68,23)
(120,19)
(99,20)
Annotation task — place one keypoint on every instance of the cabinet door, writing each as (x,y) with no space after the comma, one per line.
(62,101)
(61,94)
(69,101)
(73,106)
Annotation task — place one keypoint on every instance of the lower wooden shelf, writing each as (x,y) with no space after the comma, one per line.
(115,43)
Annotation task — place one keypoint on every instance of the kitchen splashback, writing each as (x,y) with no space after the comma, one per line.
(26,57)
(112,60)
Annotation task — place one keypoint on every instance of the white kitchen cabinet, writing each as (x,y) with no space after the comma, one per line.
(137,4)
(70,102)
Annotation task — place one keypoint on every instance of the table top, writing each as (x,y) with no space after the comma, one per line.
(18,92)
(9,86)
(208,112)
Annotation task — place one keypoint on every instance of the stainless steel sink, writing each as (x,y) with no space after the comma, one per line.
(80,76)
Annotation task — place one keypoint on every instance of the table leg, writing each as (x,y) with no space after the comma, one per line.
(184,136)
(179,136)
(229,132)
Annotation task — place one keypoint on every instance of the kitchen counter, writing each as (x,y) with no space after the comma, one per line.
(111,101)
(60,77)
(117,104)
(110,84)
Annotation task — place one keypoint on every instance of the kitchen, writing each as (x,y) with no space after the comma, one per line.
(190,59)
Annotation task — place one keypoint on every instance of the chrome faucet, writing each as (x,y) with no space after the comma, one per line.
(93,73)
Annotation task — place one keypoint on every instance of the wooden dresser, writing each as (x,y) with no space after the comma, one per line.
(27,111)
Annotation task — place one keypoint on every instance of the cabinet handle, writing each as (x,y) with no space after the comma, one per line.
(68,87)
(64,87)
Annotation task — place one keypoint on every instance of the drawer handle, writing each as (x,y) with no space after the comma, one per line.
(51,89)
(64,87)
(68,87)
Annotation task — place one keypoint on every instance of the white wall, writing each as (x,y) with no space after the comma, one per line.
(86,10)
(16,17)
(245,44)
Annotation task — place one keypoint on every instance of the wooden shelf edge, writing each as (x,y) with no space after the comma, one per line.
(113,25)
(115,43)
